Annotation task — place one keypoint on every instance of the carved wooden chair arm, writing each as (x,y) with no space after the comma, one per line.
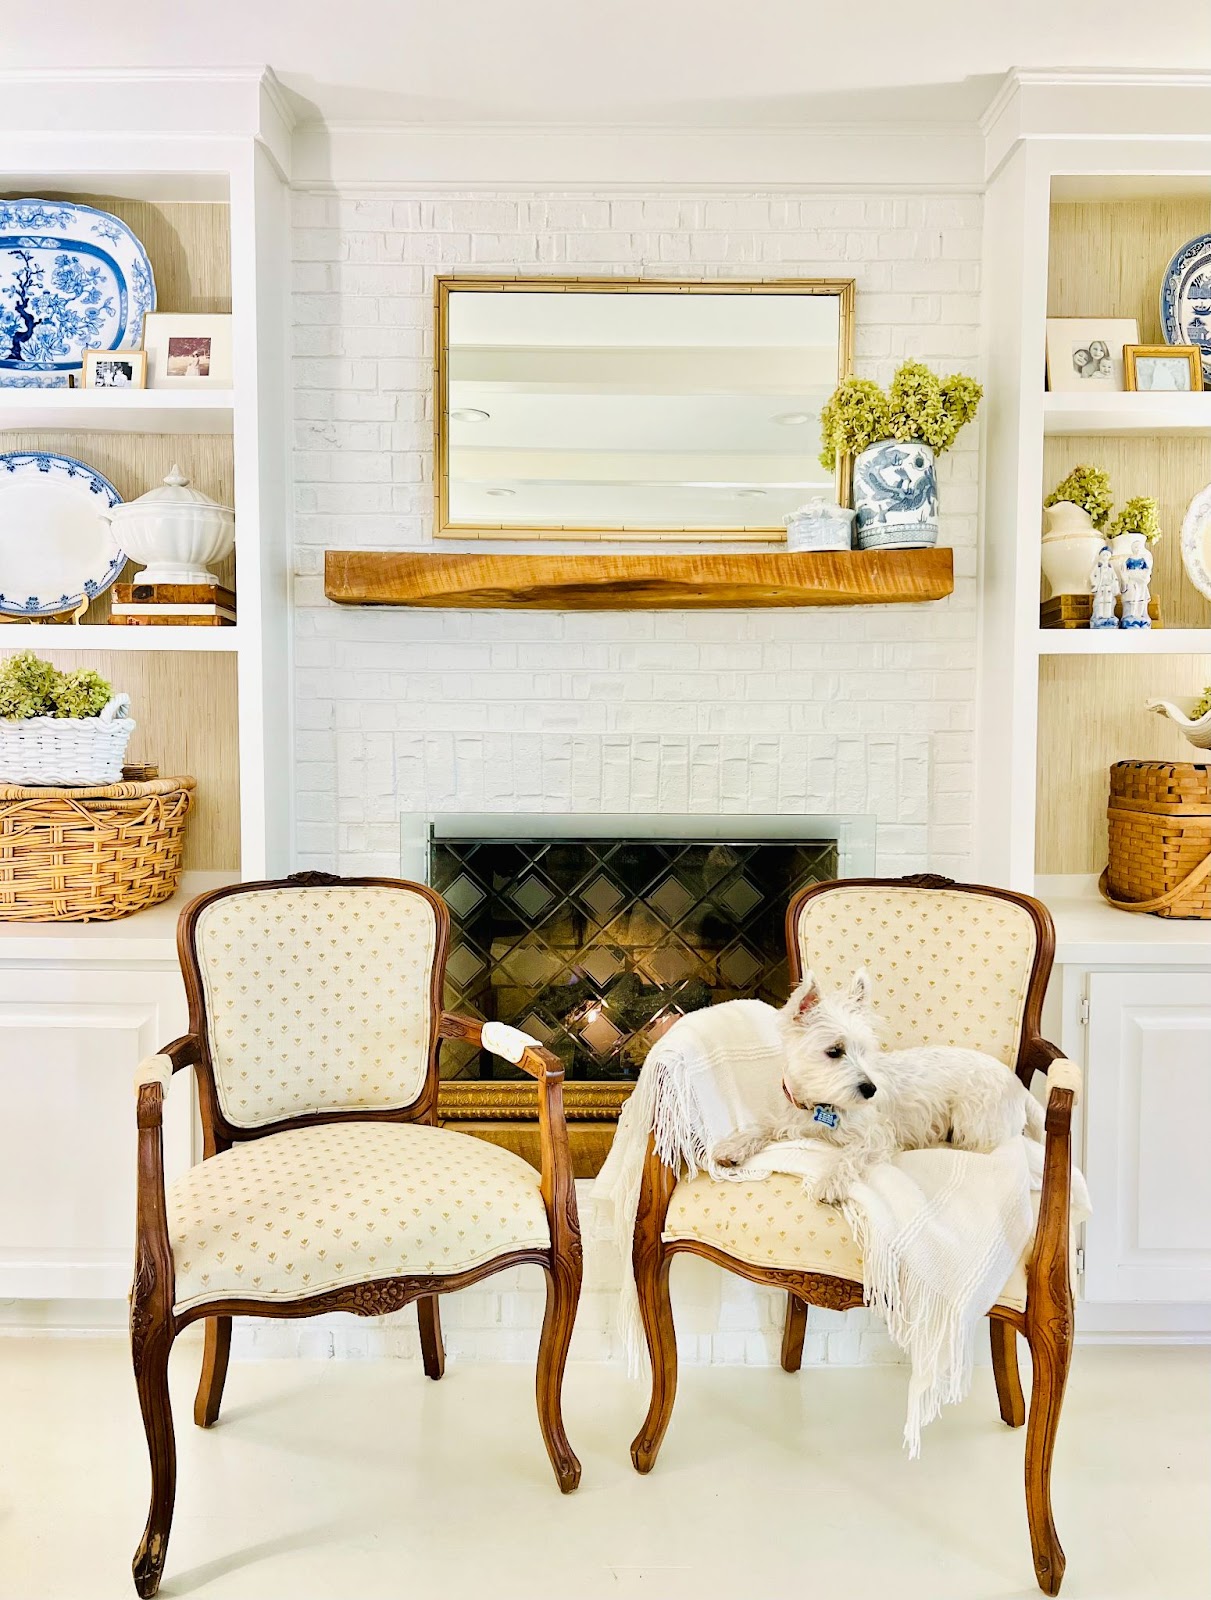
(511,1044)
(1049,1270)
(154,1073)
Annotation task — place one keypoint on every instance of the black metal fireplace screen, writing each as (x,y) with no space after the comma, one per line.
(595,946)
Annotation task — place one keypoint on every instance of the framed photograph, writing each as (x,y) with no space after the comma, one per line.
(1085,354)
(187,350)
(1163,368)
(113,369)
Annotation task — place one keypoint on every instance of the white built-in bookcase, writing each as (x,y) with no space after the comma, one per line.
(1089,195)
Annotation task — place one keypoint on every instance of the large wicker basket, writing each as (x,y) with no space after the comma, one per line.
(90,855)
(1160,838)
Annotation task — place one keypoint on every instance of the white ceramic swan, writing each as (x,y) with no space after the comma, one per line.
(1197,730)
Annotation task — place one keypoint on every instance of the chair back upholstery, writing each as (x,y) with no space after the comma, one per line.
(315,996)
(952,964)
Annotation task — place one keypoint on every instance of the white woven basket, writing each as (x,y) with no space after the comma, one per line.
(66,750)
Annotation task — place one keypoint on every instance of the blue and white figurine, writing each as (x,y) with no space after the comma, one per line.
(896,496)
(1137,581)
(72,278)
(1104,581)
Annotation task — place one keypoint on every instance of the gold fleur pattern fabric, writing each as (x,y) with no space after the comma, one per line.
(772,1223)
(292,1214)
(317,999)
(949,967)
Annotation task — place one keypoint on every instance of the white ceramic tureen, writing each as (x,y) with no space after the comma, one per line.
(175,530)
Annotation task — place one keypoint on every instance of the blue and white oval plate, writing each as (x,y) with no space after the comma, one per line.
(1186,299)
(55,547)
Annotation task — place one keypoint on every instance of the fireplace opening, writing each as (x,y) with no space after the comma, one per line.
(595,942)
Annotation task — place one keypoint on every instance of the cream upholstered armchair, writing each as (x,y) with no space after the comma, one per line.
(953,964)
(315,1016)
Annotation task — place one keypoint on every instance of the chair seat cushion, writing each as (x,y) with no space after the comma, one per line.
(771,1223)
(292,1214)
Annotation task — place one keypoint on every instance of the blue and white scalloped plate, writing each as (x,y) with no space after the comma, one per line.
(72,278)
(55,547)
(1186,299)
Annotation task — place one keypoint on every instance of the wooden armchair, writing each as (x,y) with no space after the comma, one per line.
(953,964)
(315,1015)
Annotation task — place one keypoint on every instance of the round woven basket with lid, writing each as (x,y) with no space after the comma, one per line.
(91,855)
(1160,838)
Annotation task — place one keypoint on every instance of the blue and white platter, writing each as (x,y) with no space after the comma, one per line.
(55,547)
(1196,541)
(72,278)
(1186,299)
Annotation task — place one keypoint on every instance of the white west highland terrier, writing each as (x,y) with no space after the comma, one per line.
(867,1103)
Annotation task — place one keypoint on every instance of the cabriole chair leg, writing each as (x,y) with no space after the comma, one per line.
(1051,1354)
(151,1348)
(656,1310)
(432,1348)
(1004,1339)
(563,1297)
(214,1371)
(794,1330)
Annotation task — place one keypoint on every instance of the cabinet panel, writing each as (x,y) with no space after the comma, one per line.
(1148,1112)
(69,1043)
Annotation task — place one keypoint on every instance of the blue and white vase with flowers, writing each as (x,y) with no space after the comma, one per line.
(895,436)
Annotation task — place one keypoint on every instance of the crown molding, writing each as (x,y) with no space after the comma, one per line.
(370,157)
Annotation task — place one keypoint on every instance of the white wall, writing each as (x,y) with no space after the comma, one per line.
(799,711)
(866,710)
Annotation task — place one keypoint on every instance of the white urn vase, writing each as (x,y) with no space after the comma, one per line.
(175,530)
(1070,548)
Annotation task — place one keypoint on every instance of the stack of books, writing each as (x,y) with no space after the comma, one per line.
(188,605)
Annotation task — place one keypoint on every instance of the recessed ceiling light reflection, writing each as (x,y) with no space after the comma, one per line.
(500,494)
(750,494)
(470,414)
(788,419)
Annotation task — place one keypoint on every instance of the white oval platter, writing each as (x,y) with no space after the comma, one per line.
(55,549)
(72,278)
(1196,541)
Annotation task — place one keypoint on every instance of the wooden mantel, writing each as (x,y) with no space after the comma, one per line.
(611,582)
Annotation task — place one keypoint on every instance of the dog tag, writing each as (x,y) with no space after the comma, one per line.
(826,1115)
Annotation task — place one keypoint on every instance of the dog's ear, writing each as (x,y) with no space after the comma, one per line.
(804,1000)
(860,987)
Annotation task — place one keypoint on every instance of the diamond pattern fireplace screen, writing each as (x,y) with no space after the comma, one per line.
(596,945)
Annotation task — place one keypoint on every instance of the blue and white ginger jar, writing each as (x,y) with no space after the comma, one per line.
(896,496)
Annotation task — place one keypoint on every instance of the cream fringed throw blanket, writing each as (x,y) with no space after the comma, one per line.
(939,1230)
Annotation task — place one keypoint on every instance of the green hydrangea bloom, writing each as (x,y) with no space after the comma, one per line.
(917,405)
(1089,488)
(1139,515)
(26,686)
(80,693)
(1202,706)
(852,420)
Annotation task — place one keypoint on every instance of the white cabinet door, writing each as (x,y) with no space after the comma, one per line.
(1148,1137)
(70,1039)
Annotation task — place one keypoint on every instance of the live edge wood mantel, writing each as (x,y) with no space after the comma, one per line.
(638,582)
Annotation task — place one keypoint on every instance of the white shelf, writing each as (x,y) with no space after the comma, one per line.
(1120,642)
(1087,930)
(1127,413)
(103,636)
(149,935)
(118,411)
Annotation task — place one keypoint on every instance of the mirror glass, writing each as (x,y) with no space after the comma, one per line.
(589,409)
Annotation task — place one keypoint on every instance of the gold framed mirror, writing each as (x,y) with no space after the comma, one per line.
(634,409)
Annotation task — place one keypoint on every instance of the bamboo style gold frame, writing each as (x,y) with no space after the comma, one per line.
(842,289)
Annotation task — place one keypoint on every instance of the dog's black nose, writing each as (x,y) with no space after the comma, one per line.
(866,1089)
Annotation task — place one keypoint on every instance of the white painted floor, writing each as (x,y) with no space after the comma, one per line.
(362,1479)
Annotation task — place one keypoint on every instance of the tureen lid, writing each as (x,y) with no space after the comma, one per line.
(175,493)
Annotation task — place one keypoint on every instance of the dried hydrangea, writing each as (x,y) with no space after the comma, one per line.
(1139,515)
(854,418)
(26,686)
(80,693)
(918,405)
(1087,487)
(1202,705)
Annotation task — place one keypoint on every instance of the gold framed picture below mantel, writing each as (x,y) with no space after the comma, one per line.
(634,409)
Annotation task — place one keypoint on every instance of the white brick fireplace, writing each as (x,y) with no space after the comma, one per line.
(866,711)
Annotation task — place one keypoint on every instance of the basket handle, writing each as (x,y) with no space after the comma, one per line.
(1158,902)
(117,707)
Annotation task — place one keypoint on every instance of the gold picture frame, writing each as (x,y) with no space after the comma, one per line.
(841,289)
(1191,355)
(113,369)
